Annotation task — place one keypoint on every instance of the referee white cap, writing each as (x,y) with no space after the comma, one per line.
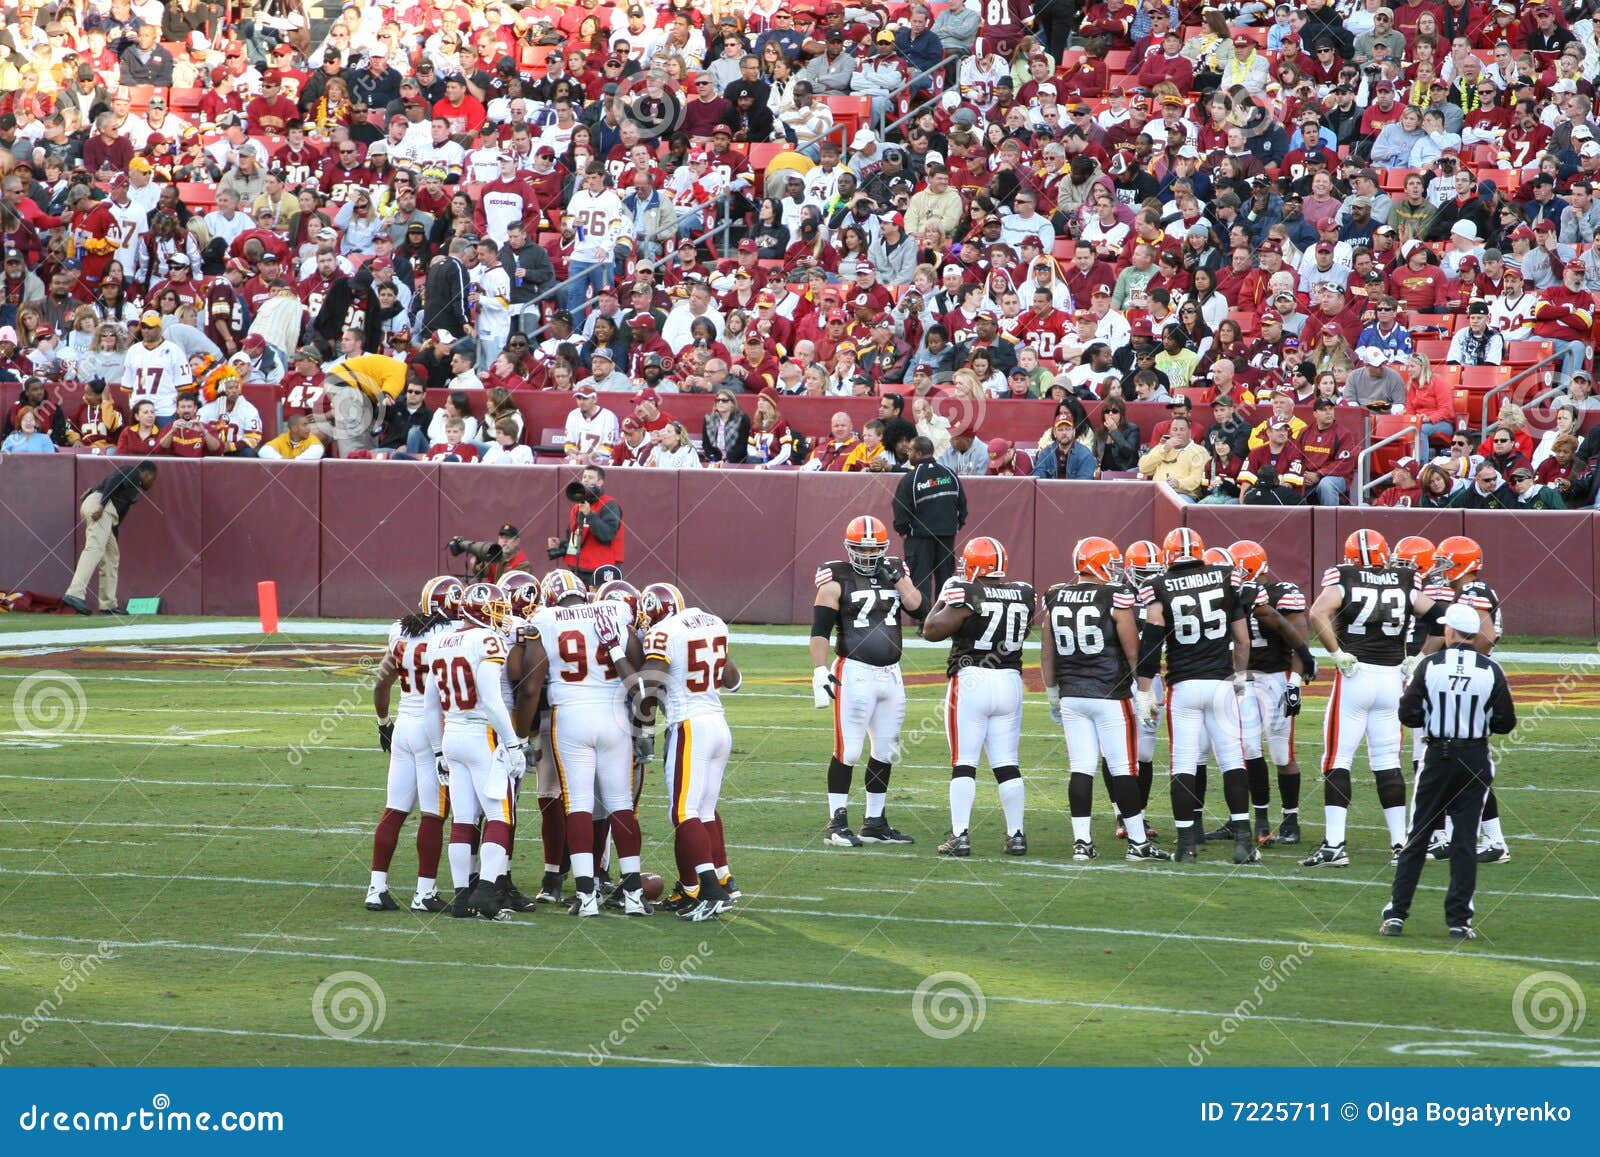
(1462,620)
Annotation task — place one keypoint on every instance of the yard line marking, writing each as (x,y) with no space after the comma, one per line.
(387,1042)
(752,982)
(123,738)
(194,782)
(337,831)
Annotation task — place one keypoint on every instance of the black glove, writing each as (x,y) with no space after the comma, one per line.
(891,570)
(1291,701)
(457,546)
(385,736)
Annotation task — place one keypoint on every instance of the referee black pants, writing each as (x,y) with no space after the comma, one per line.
(930,562)
(1453,781)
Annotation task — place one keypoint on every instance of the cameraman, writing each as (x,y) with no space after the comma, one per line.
(490,560)
(594,528)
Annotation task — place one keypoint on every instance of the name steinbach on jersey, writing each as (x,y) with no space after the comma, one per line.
(1197,603)
(869,615)
(1090,663)
(1375,614)
(993,634)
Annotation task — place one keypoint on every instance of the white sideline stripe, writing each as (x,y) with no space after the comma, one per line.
(753,982)
(221,628)
(349,830)
(121,737)
(385,1042)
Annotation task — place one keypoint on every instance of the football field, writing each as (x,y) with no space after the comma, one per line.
(186,832)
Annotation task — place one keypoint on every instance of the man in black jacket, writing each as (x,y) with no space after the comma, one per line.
(103,510)
(444,294)
(527,263)
(930,508)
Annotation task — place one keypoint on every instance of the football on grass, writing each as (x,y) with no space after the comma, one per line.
(652,885)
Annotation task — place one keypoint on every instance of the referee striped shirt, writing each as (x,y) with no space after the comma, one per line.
(1458,695)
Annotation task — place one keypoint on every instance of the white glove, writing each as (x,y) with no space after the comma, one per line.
(1053,695)
(517,759)
(441,768)
(824,687)
(1144,707)
(1345,662)
(1408,666)
(1241,683)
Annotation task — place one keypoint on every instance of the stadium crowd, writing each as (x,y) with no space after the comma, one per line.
(1258,215)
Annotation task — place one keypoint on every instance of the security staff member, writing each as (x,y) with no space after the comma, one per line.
(1458,697)
(930,508)
(104,508)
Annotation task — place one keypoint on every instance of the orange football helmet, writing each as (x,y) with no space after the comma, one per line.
(1460,556)
(559,586)
(485,605)
(866,541)
(1142,559)
(1182,543)
(441,595)
(1415,551)
(522,592)
(1366,548)
(983,557)
(660,601)
(1098,558)
(616,590)
(1250,557)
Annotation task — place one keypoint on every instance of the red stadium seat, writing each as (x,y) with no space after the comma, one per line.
(1024,462)
(1434,350)
(1482,379)
(1384,425)
(761,155)
(1527,353)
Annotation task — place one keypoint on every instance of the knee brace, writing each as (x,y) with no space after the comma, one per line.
(1007,774)
(1391,787)
(962,771)
(1336,788)
(877,778)
(839,775)
(1080,795)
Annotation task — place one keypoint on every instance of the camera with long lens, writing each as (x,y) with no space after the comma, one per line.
(578,492)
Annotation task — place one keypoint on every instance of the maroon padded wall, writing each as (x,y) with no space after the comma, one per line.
(1064,512)
(1285,532)
(38,521)
(649,500)
(260,521)
(380,534)
(160,545)
(1542,565)
(731,525)
(824,504)
(475,501)
(1003,508)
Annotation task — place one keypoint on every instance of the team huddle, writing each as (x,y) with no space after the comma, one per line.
(497,677)
(1209,635)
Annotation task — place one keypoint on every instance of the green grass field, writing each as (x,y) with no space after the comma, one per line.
(185,841)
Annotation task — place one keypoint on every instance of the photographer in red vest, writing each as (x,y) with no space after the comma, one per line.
(490,560)
(594,528)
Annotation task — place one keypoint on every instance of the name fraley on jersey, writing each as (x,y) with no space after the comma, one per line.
(454,660)
(1197,604)
(1269,652)
(694,646)
(1375,615)
(993,634)
(1090,662)
(411,658)
(869,615)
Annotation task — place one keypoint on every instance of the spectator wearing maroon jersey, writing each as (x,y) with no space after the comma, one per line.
(1558,470)
(1329,457)
(1420,286)
(1564,316)
(49,418)
(1274,474)
(1403,489)
(97,424)
(454,448)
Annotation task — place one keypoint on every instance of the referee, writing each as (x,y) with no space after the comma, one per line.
(1458,698)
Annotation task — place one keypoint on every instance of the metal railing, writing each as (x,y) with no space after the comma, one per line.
(1506,385)
(1365,483)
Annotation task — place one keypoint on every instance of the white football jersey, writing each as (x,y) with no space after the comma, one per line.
(694,645)
(580,669)
(157,374)
(415,674)
(456,660)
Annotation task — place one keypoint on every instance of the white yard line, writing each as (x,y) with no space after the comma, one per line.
(751,982)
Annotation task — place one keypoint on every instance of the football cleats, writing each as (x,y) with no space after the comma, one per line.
(522,592)
(983,557)
(866,541)
(1097,558)
(1182,543)
(660,601)
(559,586)
(1142,559)
(441,595)
(615,590)
(485,605)
(1460,556)
(1250,557)
(1414,551)
(1366,548)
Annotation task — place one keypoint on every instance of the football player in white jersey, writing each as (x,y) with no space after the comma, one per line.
(589,733)
(532,717)
(686,667)
(522,598)
(468,667)
(414,741)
